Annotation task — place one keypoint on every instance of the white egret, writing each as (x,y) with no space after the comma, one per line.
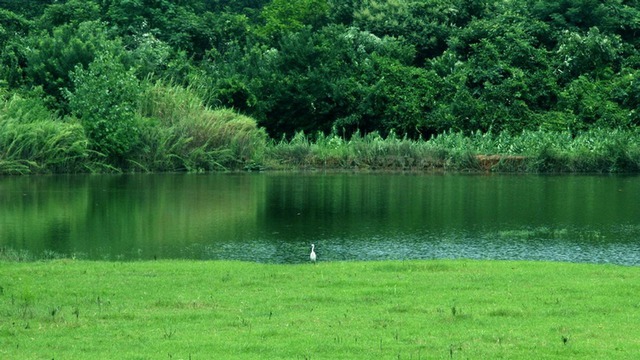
(313,256)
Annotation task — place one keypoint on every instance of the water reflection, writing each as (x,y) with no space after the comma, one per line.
(274,217)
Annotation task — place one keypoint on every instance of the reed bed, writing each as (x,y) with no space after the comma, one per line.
(34,140)
(179,133)
(597,150)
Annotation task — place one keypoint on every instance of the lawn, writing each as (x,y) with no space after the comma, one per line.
(440,309)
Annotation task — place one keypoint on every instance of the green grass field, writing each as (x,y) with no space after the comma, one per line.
(442,309)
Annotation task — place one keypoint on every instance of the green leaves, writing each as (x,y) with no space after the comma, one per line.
(283,17)
(105,98)
(33,139)
(50,57)
(593,53)
(413,67)
(332,77)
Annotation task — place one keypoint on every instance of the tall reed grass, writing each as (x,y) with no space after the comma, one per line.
(180,133)
(33,140)
(596,150)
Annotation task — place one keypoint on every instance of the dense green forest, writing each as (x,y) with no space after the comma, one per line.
(158,85)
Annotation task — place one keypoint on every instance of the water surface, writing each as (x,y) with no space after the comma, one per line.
(275,217)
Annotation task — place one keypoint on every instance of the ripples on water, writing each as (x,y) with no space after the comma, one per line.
(541,244)
(275,218)
(587,247)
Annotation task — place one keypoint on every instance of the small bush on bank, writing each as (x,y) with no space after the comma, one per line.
(104,99)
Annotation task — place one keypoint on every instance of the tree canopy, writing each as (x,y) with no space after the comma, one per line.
(409,67)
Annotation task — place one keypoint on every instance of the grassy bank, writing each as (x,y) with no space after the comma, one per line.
(362,310)
(175,131)
(171,130)
(597,150)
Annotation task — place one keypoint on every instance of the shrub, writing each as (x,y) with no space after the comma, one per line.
(104,99)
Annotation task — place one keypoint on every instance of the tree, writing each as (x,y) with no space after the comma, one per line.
(426,25)
(625,90)
(592,104)
(70,12)
(12,25)
(104,98)
(283,17)
(50,57)
(27,8)
(570,14)
(402,98)
(503,70)
(593,54)
(13,28)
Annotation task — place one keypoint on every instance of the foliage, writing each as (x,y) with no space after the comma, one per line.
(286,88)
(104,98)
(11,25)
(290,16)
(423,25)
(50,58)
(70,12)
(27,8)
(592,53)
(414,68)
(33,140)
(182,134)
(595,151)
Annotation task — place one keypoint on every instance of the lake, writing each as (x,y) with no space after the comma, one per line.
(274,217)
